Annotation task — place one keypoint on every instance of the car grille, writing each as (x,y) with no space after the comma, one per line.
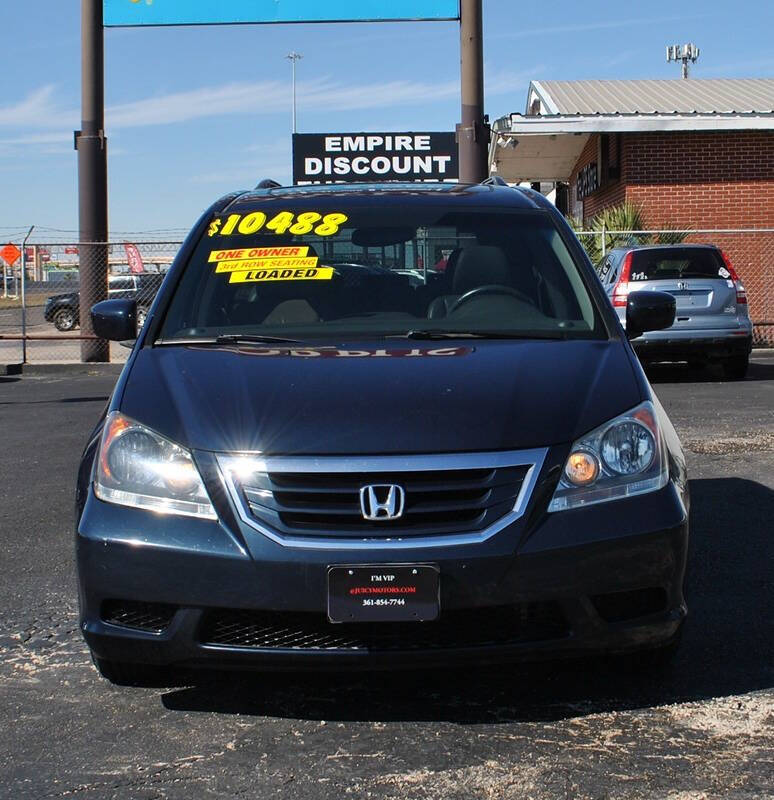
(489,627)
(153,617)
(437,502)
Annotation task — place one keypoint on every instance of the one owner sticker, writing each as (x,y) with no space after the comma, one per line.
(257,258)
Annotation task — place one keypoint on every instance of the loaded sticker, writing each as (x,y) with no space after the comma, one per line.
(282,223)
(264,275)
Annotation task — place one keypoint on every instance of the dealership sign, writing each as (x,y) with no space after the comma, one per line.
(121,13)
(364,157)
(588,181)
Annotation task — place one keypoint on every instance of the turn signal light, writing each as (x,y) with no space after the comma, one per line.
(582,468)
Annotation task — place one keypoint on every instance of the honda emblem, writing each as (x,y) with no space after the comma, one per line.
(382,502)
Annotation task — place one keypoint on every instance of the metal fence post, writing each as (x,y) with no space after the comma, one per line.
(24,294)
(604,246)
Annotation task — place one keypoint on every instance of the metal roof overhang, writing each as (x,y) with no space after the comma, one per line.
(547,148)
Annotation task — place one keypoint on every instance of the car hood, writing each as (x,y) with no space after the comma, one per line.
(65,296)
(493,395)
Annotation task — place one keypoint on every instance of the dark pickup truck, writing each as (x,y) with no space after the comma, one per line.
(64,309)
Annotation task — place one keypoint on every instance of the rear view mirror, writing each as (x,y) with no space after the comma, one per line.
(649,311)
(382,237)
(115,320)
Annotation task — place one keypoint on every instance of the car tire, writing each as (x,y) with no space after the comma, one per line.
(64,319)
(735,369)
(121,673)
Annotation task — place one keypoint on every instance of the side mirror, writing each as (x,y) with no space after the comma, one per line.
(649,311)
(115,320)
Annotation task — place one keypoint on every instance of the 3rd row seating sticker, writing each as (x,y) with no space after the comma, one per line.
(281,223)
(259,257)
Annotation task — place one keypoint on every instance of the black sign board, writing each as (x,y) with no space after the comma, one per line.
(588,180)
(365,157)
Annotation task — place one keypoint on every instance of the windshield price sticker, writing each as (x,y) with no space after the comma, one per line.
(267,275)
(283,223)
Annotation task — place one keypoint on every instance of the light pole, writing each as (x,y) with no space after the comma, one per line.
(473,131)
(293,57)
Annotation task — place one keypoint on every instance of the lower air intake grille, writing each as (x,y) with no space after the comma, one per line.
(456,629)
(154,617)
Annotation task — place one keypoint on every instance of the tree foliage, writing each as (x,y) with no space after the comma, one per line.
(617,225)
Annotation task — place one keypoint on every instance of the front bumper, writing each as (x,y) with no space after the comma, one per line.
(607,578)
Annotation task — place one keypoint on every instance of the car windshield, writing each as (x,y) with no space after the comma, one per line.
(677,262)
(296,270)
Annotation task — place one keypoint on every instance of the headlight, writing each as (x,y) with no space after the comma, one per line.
(137,467)
(622,458)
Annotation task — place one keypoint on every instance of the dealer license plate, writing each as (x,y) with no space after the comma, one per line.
(389,593)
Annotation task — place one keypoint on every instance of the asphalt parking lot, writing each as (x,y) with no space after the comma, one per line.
(703,728)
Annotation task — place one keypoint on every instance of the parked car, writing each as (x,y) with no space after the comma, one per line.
(64,309)
(309,464)
(712,323)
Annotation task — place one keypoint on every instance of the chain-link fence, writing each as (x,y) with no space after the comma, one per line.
(44,289)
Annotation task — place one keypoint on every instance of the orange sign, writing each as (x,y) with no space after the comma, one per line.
(10,254)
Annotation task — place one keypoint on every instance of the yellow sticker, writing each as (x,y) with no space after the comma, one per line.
(284,222)
(266,263)
(248,253)
(267,275)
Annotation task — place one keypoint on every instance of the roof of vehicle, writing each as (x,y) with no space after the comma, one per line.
(678,245)
(367,194)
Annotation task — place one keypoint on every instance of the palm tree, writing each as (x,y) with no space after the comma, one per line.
(616,225)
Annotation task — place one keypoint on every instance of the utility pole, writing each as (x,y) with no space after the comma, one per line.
(91,144)
(473,130)
(293,57)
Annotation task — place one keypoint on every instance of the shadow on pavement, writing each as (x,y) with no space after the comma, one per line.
(100,399)
(682,373)
(727,648)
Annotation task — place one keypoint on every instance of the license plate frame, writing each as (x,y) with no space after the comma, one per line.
(383,593)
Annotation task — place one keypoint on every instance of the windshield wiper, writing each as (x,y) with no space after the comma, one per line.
(448,334)
(241,338)
(237,338)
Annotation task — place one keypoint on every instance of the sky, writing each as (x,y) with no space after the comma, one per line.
(195,112)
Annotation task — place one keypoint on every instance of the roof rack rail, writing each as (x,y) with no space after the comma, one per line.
(495,180)
(268,183)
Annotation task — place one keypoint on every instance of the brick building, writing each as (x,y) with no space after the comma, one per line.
(691,154)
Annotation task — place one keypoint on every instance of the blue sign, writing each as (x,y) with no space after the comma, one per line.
(125,13)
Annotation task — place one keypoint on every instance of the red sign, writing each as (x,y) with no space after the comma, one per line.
(71,251)
(134,257)
(10,254)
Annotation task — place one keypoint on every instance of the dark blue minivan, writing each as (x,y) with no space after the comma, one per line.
(376,426)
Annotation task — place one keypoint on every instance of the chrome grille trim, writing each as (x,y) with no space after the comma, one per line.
(232,466)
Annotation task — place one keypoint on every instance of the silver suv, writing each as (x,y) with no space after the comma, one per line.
(712,322)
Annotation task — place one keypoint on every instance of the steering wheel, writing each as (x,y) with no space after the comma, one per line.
(489,289)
